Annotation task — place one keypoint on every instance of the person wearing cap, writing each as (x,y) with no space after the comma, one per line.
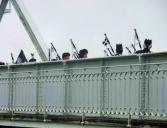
(147,46)
(83,53)
(66,56)
(32,59)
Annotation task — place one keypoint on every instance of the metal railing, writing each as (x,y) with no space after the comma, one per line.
(139,90)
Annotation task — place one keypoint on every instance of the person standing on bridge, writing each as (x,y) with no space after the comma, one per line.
(32,59)
(66,56)
(83,53)
(147,46)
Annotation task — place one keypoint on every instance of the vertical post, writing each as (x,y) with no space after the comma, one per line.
(144,85)
(38,89)
(83,98)
(147,84)
(11,91)
(49,54)
(129,120)
(130,98)
(66,82)
(43,96)
(83,119)
(102,87)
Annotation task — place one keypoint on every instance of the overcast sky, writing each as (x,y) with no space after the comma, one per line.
(85,21)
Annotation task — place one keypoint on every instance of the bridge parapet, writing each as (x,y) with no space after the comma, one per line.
(102,87)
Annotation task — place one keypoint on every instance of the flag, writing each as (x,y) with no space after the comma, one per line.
(21,58)
(52,49)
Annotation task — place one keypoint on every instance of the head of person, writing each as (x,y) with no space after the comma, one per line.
(32,58)
(66,56)
(147,44)
(83,53)
(119,49)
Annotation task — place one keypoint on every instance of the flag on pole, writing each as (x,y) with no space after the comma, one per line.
(52,49)
(51,52)
(21,58)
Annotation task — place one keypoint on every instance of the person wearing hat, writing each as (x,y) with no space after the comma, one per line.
(147,46)
(66,56)
(83,53)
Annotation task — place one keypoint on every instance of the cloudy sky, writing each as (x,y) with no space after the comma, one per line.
(85,21)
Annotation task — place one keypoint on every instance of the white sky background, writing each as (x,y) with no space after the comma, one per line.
(86,21)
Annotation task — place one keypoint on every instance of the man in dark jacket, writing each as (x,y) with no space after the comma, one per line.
(83,53)
(147,46)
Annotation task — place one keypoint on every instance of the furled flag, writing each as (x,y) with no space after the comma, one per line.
(51,52)
(21,58)
(52,49)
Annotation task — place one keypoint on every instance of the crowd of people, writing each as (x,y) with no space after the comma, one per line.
(83,53)
(65,56)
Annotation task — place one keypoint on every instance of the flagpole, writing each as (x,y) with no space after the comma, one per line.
(49,54)
(12,58)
